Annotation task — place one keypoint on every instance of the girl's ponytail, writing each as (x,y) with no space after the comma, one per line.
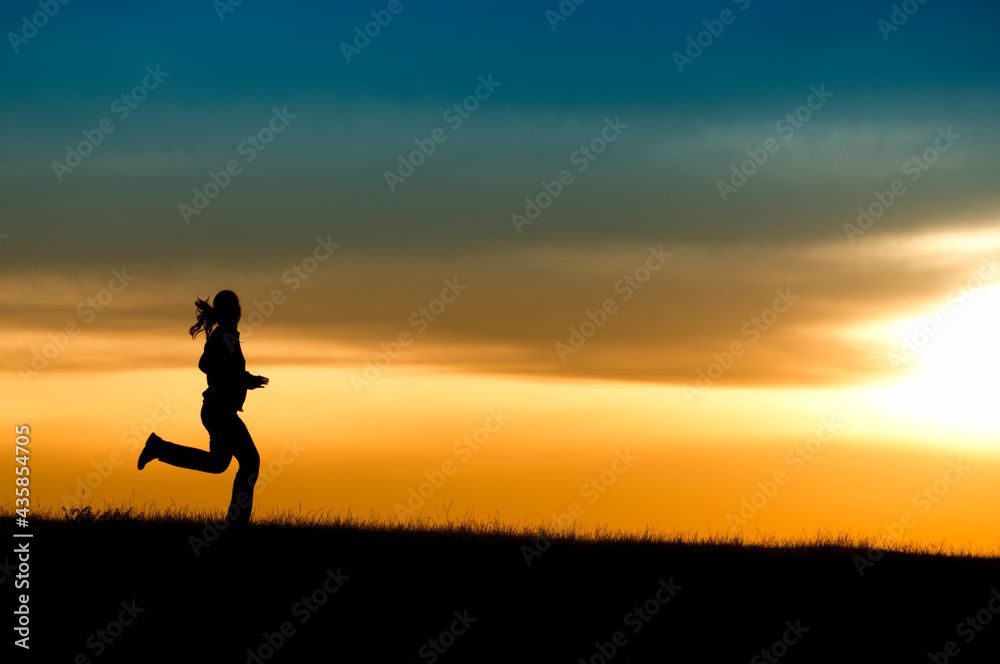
(207,318)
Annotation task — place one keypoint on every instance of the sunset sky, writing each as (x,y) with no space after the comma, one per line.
(538,260)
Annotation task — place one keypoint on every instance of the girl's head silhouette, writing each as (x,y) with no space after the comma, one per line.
(224,310)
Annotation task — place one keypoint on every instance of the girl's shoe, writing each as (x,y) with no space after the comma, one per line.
(150,451)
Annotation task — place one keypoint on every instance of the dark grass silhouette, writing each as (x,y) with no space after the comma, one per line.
(399,585)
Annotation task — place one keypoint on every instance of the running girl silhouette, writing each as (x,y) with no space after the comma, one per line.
(228,382)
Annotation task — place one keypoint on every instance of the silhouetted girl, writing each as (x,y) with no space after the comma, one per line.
(228,382)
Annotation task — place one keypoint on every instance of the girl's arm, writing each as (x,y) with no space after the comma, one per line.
(252,382)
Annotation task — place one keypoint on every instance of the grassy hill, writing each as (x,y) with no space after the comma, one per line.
(134,587)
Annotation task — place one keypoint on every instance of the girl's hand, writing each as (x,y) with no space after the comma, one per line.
(257,381)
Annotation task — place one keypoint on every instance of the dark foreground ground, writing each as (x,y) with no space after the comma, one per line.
(134,591)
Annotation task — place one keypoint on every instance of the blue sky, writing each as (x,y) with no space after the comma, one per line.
(354,118)
(325,173)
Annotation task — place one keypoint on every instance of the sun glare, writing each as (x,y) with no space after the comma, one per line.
(950,361)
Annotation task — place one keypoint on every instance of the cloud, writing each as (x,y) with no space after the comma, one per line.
(517,305)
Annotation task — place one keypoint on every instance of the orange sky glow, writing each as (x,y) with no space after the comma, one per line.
(857,408)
